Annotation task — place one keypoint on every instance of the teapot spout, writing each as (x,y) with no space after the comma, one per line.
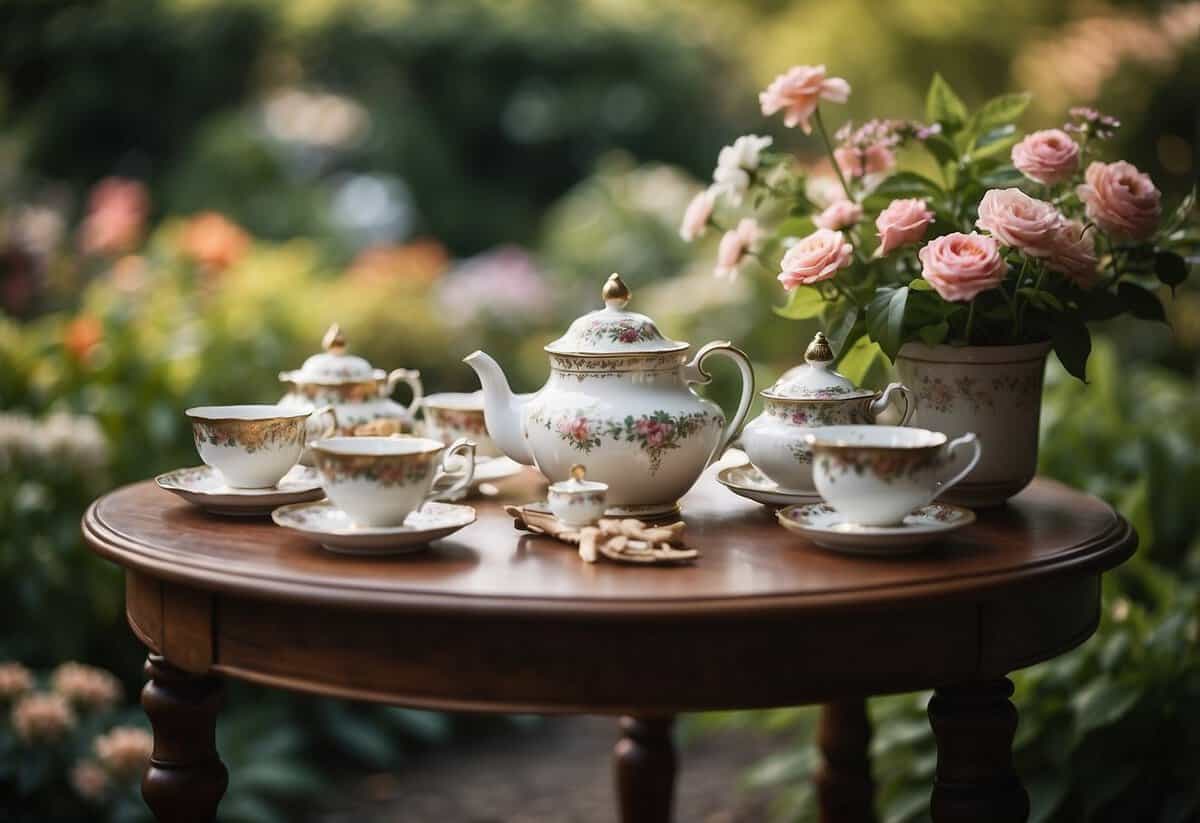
(501,408)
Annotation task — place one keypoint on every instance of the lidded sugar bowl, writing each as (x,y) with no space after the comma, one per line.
(619,395)
(361,395)
(805,397)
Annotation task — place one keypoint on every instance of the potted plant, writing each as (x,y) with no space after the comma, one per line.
(965,270)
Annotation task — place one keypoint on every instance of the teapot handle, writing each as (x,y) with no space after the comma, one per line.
(885,397)
(694,372)
(413,378)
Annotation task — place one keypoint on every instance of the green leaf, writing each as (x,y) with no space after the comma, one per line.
(920,284)
(934,334)
(999,111)
(1001,178)
(1041,298)
(843,326)
(885,319)
(943,106)
(1073,345)
(803,303)
(1102,703)
(942,149)
(1000,145)
(1100,304)
(907,184)
(1141,303)
(1182,212)
(1171,268)
(860,361)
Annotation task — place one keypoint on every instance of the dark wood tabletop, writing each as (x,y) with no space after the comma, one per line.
(494,619)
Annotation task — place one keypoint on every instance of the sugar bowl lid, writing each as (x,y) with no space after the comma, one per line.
(815,380)
(332,366)
(612,330)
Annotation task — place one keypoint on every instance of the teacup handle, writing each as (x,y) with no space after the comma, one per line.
(885,397)
(694,372)
(460,446)
(413,378)
(331,429)
(967,439)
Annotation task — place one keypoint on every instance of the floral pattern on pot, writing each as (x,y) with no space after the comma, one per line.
(800,452)
(385,470)
(1007,392)
(801,413)
(467,421)
(885,465)
(250,435)
(581,366)
(620,331)
(655,433)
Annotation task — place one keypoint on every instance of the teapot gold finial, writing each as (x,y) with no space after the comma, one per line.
(615,292)
(578,472)
(333,341)
(819,350)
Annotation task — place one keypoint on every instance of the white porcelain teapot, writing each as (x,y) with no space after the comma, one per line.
(361,396)
(805,397)
(619,399)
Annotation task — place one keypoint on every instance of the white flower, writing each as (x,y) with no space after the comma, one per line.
(734,164)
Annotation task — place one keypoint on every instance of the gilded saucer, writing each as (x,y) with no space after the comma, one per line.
(748,482)
(824,526)
(331,527)
(205,487)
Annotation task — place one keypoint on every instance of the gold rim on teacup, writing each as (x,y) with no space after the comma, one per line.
(827,438)
(394,445)
(254,413)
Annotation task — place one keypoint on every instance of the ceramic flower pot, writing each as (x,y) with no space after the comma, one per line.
(994,391)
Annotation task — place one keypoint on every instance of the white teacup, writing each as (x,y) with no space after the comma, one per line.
(379,481)
(877,475)
(252,446)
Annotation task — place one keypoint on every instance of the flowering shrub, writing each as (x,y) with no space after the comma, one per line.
(1012,239)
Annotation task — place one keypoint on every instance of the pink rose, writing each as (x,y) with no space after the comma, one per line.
(1074,255)
(797,93)
(841,214)
(697,214)
(960,266)
(117,210)
(734,245)
(856,162)
(902,222)
(1048,156)
(1121,200)
(815,258)
(1018,220)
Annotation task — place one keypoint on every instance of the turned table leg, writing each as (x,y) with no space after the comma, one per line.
(644,766)
(186,778)
(845,790)
(976,783)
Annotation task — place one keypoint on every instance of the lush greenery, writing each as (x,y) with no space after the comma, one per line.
(336,163)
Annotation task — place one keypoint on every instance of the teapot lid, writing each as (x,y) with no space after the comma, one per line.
(333,365)
(612,330)
(815,380)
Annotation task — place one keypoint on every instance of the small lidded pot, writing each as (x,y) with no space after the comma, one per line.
(578,502)
(804,398)
(361,396)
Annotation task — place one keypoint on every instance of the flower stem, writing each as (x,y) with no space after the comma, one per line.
(1016,300)
(829,149)
(970,320)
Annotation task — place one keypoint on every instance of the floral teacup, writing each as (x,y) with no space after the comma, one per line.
(578,502)
(379,481)
(451,415)
(252,446)
(877,475)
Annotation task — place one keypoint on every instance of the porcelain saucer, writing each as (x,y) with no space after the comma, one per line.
(747,481)
(204,486)
(822,524)
(487,470)
(331,527)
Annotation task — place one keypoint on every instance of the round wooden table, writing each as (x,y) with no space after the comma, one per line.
(492,619)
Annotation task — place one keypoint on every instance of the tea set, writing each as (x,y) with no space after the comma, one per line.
(617,430)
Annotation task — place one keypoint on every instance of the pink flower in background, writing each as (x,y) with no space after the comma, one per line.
(815,258)
(901,223)
(859,162)
(840,214)
(1121,200)
(734,245)
(505,284)
(798,91)
(1074,254)
(697,215)
(735,165)
(89,780)
(116,215)
(960,266)
(1048,156)
(125,751)
(1018,220)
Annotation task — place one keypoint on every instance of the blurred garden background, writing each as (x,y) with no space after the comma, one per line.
(192,191)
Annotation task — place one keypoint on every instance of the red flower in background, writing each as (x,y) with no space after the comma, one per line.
(214,241)
(116,215)
(82,335)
